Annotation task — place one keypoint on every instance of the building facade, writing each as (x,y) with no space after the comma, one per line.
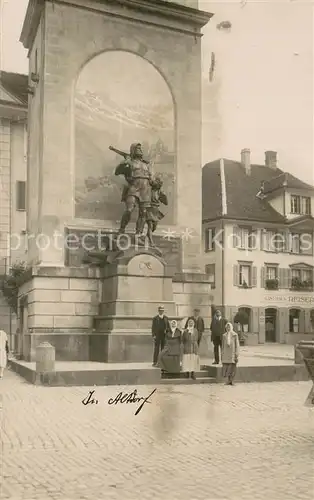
(13,161)
(258,229)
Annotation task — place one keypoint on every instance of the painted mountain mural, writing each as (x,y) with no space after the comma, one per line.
(120,99)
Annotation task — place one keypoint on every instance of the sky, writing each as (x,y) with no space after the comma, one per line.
(261,96)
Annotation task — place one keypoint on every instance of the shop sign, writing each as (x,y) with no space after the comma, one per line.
(290,299)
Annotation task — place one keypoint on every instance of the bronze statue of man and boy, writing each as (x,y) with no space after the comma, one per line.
(143,191)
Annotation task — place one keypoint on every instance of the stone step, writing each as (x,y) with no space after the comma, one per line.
(199,374)
(152,376)
(262,373)
(185,381)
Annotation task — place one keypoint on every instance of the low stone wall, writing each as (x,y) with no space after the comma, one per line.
(61,304)
(294,338)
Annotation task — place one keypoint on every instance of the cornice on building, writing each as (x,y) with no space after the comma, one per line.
(193,18)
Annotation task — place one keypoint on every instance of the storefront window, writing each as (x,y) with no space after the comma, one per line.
(294,320)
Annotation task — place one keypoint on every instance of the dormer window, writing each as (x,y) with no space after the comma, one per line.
(300,205)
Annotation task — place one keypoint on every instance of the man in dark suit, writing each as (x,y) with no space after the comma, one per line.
(217,328)
(199,324)
(159,327)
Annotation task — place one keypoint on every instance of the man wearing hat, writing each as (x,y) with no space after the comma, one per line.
(159,327)
(199,324)
(217,328)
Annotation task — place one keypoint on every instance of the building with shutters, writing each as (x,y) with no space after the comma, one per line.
(13,171)
(258,228)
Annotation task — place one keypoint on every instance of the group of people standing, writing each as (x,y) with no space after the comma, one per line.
(172,343)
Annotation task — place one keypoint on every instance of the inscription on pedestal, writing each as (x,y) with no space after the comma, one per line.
(145,265)
(81,241)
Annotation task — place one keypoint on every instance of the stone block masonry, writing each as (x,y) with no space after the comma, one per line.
(58,305)
(57,300)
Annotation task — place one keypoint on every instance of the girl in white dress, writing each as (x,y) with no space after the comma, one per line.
(191,360)
(4,349)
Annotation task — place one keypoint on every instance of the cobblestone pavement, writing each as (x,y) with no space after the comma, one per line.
(201,442)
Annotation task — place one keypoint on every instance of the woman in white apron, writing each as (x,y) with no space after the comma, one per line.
(4,349)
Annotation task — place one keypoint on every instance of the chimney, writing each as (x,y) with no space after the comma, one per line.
(271,159)
(246,160)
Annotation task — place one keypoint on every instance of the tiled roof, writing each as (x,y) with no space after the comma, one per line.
(15,84)
(241,191)
(285,180)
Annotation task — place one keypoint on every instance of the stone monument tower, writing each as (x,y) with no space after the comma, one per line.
(81,53)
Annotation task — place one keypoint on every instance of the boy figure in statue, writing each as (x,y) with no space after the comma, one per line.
(153,214)
(138,191)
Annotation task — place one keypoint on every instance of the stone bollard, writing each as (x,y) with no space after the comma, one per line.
(45,358)
(306,348)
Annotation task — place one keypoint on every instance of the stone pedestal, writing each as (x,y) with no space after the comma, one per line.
(134,284)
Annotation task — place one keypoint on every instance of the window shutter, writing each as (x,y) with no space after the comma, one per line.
(289,278)
(213,242)
(287,242)
(20,195)
(302,321)
(206,239)
(263,277)
(253,239)
(281,241)
(254,276)
(263,239)
(282,278)
(236,237)
(236,275)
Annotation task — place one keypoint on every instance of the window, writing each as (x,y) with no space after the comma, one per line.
(301,243)
(21,195)
(300,205)
(271,272)
(273,241)
(294,320)
(306,244)
(210,271)
(294,243)
(296,273)
(209,239)
(270,276)
(302,278)
(306,205)
(307,275)
(245,275)
(243,237)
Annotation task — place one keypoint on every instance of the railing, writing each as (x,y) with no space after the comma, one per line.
(284,280)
